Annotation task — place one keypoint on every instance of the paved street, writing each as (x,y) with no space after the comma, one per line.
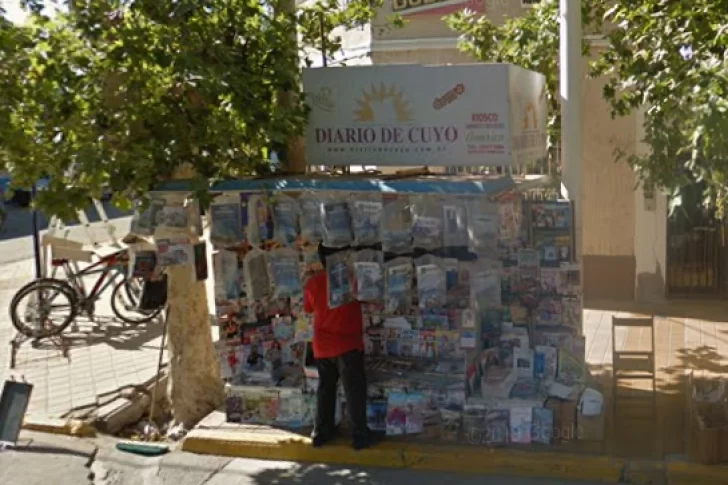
(45,459)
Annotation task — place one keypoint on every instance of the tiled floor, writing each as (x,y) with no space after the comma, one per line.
(104,356)
(690,336)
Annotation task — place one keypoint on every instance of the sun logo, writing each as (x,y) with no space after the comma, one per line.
(383,104)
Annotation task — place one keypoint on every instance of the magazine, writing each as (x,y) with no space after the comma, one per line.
(528,264)
(226,224)
(431,283)
(553,249)
(144,222)
(571,370)
(427,344)
(550,281)
(339,284)
(549,312)
(377,414)
(455,224)
(173,215)
(144,263)
(416,407)
(524,363)
(292,408)
(285,219)
(396,423)
(368,275)
(260,405)
(230,358)
(260,219)
(336,222)
(571,312)
(483,226)
(520,424)
(233,406)
(409,343)
(311,225)
(396,225)
(426,222)
(448,345)
(545,361)
(508,220)
(524,388)
(285,273)
(366,213)
(497,427)
(551,215)
(485,286)
(257,282)
(398,286)
(175,251)
(543,425)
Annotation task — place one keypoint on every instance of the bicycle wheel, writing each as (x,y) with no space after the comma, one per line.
(126,296)
(43,316)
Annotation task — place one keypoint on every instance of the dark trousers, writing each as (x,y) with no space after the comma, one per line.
(350,367)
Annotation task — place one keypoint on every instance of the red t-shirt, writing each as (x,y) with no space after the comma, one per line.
(336,331)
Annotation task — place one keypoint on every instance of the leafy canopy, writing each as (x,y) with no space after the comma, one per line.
(530,41)
(122,92)
(669,58)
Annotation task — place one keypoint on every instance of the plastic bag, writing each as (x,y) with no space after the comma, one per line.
(339,279)
(366,213)
(368,275)
(431,282)
(257,281)
(397,225)
(398,287)
(260,219)
(311,229)
(483,226)
(335,222)
(285,219)
(285,273)
(426,222)
(455,225)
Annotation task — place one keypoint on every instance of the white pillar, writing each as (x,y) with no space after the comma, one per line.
(571,78)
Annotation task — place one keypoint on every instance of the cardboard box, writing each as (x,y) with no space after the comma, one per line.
(564,419)
(590,428)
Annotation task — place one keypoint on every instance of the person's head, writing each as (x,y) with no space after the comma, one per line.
(324,252)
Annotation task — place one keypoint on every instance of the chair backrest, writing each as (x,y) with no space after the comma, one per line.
(644,322)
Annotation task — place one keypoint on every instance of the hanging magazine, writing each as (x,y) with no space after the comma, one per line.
(455,226)
(367,266)
(483,226)
(285,219)
(337,270)
(256,275)
(336,222)
(431,282)
(485,286)
(311,226)
(426,222)
(398,288)
(226,222)
(396,225)
(260,219)
(285,273)
(366,213)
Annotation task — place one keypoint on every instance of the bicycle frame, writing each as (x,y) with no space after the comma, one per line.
(115,264)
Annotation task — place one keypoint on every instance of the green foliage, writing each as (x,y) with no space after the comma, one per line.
(530,41)
(669,58)
(123,92)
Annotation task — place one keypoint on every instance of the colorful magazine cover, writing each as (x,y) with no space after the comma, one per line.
(455,223)
(143,264)
(173,216)
(524,363)
(551,215)
(431,284)
(337,270)
(409,343)
(260,219)
(571,312)
(485,287)
(448,345)
(549,312)
(428,344)
(550,281)
(396,413)
(257,281)
(233,405)
(483,226)
(571,370)
(554,250)
(497,427)
(545,361)
(524,388)
(426,223)
(415,410)
(398,286)
(396,224)
(368,275)
(392,342)
(175,251)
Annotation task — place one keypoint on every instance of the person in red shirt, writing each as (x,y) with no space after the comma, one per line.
(338,348)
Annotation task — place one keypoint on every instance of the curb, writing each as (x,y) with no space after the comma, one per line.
(459,459)
(75,428)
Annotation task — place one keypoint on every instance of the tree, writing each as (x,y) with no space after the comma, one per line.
(668,58)
(530,41)
(131,93)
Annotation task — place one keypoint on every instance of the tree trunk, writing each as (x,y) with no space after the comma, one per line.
(195,384)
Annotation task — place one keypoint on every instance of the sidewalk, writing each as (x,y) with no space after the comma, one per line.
(104,356)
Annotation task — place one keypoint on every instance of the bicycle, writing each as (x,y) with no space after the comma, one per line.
(36,321)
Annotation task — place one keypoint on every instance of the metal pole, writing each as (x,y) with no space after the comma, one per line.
(571,123)
(36,237)
(322,26)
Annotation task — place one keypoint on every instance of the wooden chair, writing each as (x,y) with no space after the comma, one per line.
(630,365)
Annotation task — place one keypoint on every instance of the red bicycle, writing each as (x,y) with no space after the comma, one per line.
(54,303)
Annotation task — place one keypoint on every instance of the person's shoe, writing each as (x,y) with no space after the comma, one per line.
(319,440)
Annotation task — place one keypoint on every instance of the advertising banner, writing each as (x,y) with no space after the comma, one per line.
(398,115)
